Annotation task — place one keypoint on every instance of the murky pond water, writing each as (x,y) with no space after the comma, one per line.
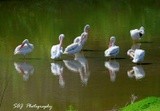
(87,81)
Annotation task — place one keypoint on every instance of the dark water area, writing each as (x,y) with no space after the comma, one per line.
(88,81)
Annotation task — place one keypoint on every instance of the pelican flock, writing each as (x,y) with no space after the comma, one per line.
(80,64)
(136,54)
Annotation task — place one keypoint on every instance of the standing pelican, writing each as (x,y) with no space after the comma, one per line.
(136,34)
(24,48)
(86,30)
(137,55)
(75,47)
(57,50)
(112,50)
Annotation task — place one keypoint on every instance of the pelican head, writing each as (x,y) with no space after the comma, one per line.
(113,38)
(25,41)
(86,28)
(141,29)
(61,37)
(112,41)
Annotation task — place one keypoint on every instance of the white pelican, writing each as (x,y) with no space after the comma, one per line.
(113,67)
(24,48)
(57,50)
(86,30)
(137,55)
(57,70)
(75,47)
(137,72)
(136,34)
(112,50)
(25,69)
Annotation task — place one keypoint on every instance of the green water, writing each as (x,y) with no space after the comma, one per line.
(91,87)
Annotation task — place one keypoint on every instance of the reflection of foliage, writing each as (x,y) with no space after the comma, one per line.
(71,108)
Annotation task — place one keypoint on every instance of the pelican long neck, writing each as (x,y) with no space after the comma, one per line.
(60,42)
(85,30)
(111,43)
(82,38)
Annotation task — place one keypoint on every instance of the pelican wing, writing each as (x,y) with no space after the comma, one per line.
(24,50)
(56,51)
(77,39)
(139,55)
(135,34)
(73,48)
(112,51)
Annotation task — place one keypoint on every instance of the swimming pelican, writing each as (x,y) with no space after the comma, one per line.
(75,47)
(57,70)
(57,50)
(24,48)
(112,50)
(136,34)
(86,30)
(136,71)
(25,69)
(137,55)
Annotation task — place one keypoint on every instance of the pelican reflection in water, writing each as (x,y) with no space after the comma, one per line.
(57,70)
(79,65)
(25,69)
(113,67)
(137,72)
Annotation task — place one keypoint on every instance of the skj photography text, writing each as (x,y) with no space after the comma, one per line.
(21,106)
